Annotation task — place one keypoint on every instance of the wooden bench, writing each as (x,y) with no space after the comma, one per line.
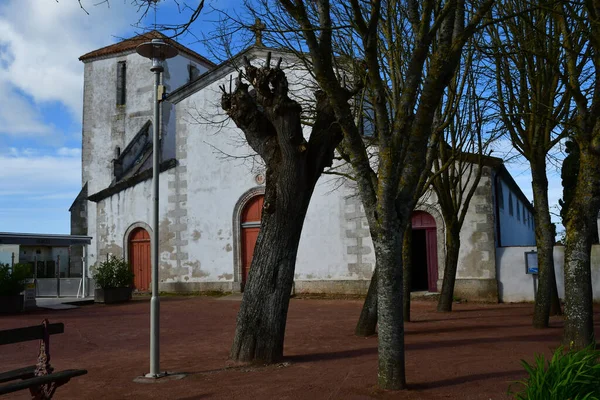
(40,379)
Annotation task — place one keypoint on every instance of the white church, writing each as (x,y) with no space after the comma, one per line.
(211,191)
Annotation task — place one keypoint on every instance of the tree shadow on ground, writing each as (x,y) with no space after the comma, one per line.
(451,329)
(471,341)
(485,308)
(299,358)
(458,380)
(421,321)
(428,345)
(197,396)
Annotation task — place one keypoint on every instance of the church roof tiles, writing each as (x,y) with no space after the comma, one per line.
(131,43)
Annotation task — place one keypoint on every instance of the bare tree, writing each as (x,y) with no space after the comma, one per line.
(527,54)
(458,168)
(456,139)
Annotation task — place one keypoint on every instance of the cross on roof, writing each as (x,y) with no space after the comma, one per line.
(258,29)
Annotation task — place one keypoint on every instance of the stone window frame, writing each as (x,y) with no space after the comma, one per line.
(237,231)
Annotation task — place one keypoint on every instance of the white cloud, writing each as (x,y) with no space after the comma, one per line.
(27,173)
(40,43)
(19,117)
(71,152)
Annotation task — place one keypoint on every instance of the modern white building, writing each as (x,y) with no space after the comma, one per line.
(54,268)
(211,190)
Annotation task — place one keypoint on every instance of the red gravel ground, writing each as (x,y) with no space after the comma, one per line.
(472,353)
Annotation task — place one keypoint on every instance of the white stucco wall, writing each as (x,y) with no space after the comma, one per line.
(115,214)
(106,126)
(517,286)
(215,170)
(176,74)
(216,180)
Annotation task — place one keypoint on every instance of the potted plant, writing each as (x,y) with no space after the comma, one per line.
(12,285)
(114,280)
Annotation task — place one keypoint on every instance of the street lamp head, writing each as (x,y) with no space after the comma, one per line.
(157,51)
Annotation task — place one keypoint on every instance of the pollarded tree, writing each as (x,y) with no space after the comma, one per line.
(532,103)
(271,123)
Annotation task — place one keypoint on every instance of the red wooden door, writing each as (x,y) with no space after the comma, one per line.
(432,267)
(250,227)
(139,259)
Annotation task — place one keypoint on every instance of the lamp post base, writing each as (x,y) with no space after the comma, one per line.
(161,377)
(156,376)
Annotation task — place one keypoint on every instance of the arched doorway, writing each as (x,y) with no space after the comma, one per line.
(250,220)
(424,252)
(139,259)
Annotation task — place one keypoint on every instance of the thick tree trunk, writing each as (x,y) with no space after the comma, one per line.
(367,322)
(545,246)
(450,266)
(583,210)
(388,250)
(407,270)
(262,317)
(555,308)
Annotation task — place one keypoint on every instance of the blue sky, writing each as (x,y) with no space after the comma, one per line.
(41,80)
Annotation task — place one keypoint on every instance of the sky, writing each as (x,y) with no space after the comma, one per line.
(41,81)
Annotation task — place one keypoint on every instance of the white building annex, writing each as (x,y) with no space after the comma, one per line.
(211,192)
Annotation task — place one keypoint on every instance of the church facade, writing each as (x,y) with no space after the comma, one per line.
(211,189)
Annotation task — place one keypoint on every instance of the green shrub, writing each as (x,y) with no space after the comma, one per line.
(113,273)
(13,283)
(572,374)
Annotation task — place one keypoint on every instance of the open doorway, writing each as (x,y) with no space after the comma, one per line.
(419,281)
(424,253)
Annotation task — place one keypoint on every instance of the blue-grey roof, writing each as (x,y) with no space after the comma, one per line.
(42,239)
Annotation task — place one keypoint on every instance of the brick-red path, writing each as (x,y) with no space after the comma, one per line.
(472,353)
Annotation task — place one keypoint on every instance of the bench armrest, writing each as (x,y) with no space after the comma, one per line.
(21,373)
(62,377)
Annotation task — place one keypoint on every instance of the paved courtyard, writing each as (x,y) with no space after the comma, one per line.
(472,353)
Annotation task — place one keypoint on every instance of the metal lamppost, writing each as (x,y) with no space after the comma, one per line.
(157,51)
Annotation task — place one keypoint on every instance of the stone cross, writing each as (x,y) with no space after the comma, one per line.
(258,29)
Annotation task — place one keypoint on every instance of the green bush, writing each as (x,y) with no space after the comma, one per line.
(113,273)
(13,283)
(572,374)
